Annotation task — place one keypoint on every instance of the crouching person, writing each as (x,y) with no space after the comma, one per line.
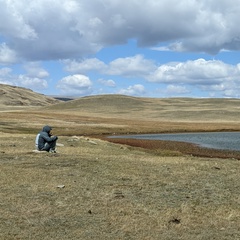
(45,141)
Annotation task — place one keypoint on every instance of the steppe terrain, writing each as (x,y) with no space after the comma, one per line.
(97,189)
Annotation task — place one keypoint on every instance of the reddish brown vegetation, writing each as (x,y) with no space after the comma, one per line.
(183,147)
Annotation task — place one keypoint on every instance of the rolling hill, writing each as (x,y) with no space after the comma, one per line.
(126,107)
(12,96)
(166,109)
(103,103)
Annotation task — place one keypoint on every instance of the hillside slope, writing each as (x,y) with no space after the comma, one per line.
(103,103)
(18,96)
(167,109)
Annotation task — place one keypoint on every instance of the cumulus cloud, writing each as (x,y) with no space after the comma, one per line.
(75,85)
(23,80)
(134,90)
(131,66)
(213,76)
(176,90)
(31,82)
(229,88)
(83,66)
(7,55)
(35,70)
(72,29)
(209,76)
(4,72)
(134,66)
(5,75)
(198,71)
(34,77)
(108,83)
(13,22)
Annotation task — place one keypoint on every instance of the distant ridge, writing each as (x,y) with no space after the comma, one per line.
(100,103)
(19,96)
(164,109)
(65,99)
(125,107)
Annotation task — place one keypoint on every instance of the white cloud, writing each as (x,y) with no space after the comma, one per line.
(90,64)
(176,90)
(23,80)
(72,29)
(31,82)
(162,48)
(213,77)
(108,83)
(7,55)
(131,66)
(75,85)
(13,22)
(34,78)
(134,66)
(35,70)
(209,76)
(228,88)
(197,72)
(134,90)
(5,75)
(4,72)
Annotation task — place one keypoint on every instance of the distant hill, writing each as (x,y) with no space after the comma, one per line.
(101,103)
(126,107)
(65,99)
(18,96)
(167,109)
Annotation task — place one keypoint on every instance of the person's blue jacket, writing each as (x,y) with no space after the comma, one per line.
(45,136)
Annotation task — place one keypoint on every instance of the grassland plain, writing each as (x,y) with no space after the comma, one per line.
(96,189)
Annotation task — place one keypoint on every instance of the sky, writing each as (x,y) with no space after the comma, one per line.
(144,48)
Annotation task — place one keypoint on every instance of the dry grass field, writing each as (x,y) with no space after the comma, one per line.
(96,189)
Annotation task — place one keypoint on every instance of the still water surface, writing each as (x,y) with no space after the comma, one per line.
(217,140)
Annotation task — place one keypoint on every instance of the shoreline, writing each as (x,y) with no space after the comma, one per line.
(182,147)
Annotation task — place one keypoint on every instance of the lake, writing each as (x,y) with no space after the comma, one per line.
(216,140)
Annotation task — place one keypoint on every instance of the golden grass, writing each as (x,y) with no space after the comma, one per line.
(116,114)
(114,191)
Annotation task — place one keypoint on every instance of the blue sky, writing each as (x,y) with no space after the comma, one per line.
(147,48)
